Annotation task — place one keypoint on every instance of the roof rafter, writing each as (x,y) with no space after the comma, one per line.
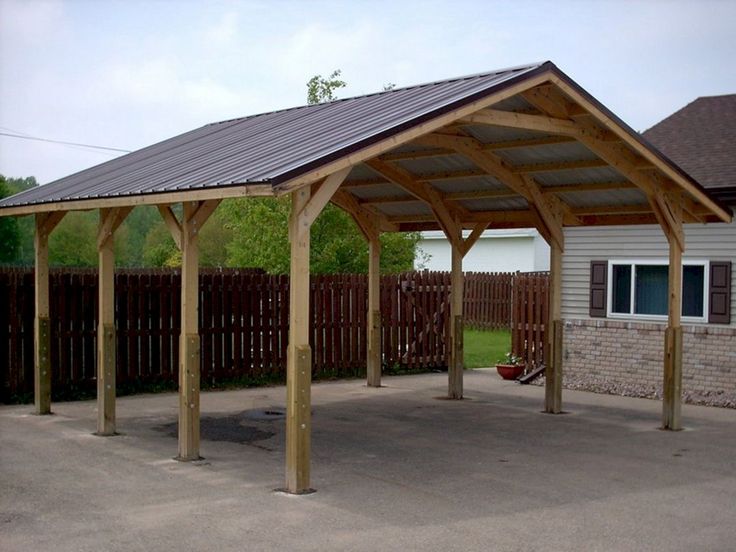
(550,214)
(446,214)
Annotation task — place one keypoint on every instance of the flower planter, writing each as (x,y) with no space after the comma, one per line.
(510,371)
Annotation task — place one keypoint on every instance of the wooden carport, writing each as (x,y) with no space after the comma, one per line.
(519,147)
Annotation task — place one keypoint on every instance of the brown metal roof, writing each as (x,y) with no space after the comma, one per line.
(267,148)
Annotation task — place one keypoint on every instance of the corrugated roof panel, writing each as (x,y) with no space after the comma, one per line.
(629,196)
(408,208)
(425,165)
(469,185)
(574,176)
(489,134)
(495,204)
(378,190)
(271,147)
(568,151)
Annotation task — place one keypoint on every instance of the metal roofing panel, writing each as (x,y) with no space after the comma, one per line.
(469,184)
(489,134)
(378,190)
(628,196)
(496,204)
(407,208)
(567,151)
(269,148)
(424,165)
(574,176)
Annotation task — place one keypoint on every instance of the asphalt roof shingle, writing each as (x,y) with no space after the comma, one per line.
(701,138)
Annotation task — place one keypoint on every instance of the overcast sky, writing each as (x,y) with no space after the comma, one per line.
(129,73)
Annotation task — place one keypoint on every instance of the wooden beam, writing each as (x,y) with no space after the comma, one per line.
(172,223)
(492,218)
(202,214)
(672,384)
(612,209)
(221,192)
(368,221)
(528,143)
(110,221)
(553,370)
(299,367)
(633,141)
(382,200)
(471,240)
(481,194)
(455,369)
(45,223)
(417,154)
(523,185)
(189,341)
(373,336)
(363,182)
(539,123)
(444,212)
(588,187)
(321,197)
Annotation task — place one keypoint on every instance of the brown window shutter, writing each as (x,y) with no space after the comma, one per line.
(598,288)
(719,294)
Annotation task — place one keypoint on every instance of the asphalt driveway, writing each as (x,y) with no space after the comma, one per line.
(395,468)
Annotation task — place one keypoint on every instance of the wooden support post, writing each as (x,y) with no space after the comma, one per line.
(672,385)
(299,357)
(110,220)
(42,364)
(455,369)
(553,371)
(189,337)
(45,223)
(373,337)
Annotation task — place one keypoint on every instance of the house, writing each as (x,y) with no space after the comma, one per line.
(497,250)
(615,278)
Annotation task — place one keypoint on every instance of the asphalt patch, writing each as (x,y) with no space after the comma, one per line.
(237,428)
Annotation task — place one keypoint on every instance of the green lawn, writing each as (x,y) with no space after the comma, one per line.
(485,348)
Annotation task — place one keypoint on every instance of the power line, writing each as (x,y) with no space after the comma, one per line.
(10,135)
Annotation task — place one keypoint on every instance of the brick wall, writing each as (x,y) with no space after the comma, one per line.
(632,352)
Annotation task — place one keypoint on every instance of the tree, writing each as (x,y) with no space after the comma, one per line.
(320,89)
(9,231)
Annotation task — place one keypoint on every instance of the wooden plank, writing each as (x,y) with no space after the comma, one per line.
(299,366)
(189,340)
(208,194)
(553,374)
(455,370)
(672,384)
(42,324)
(110,220)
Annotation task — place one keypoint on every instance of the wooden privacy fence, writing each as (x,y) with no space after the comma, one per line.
(243,319)
(530,305)
(244,323)
(487,300)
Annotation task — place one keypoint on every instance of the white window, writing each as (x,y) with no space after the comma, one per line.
(639,289)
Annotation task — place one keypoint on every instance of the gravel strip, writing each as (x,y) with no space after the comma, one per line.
(598,384)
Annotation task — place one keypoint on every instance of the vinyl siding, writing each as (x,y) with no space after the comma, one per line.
(714,242)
